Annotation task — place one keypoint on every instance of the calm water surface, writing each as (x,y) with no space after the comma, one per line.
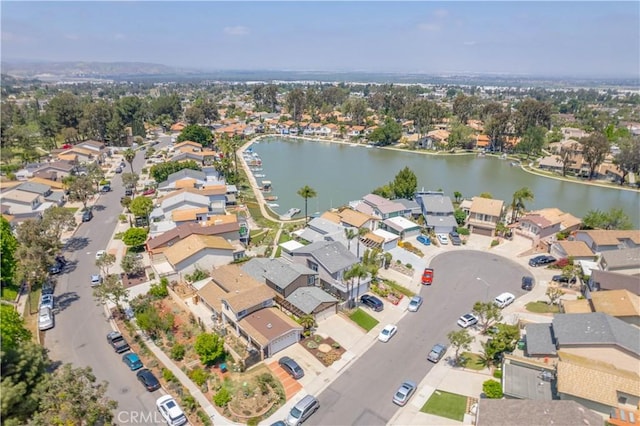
(341,173)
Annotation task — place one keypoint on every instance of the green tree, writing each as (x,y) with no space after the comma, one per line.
(628,159)
(222,397)
(105,262)
(532,113)
(615,218)
(95,174)
(594,150)
(306,192)
(461,136)
(80,189)
(460,216)
(129,155)
(461,341)
(385,191)
(532,141)
(554,294)
(130,180)
(296,103)
(56,220)
(389,133)
(196,133)
(141,207)
(160,172)
(154,322)
(36,250)
(492,389)
(457,196)
(111,290)
(8,247)
(95,118)
(170,105)
(405,184)
(130,264)
(209,347)
(12,329)
(463,107)
(72,396)
(307,322)
(517,203)
(115,130)
(135,237)
(357,272)
(487,313)
(486,195)
(349,234)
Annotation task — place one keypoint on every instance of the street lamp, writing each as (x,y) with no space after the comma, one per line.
(486,283)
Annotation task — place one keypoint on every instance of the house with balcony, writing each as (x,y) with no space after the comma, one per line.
(437,210)
(484,215)
(380,207)
(601,240)
(281,276)
(350,218)
(204,252)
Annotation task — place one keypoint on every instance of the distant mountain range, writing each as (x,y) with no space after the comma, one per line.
(140,71)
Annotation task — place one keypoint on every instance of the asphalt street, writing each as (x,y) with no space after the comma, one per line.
(362,394)
(79,335)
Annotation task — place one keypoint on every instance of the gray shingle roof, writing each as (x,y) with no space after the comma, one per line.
(279,272)
(307,299)
(623,258)
(614,281)
(523,412)
(186,173)
(333,256)
(436,203)
(595,329)
(37,188)
(540,340)
(433,221)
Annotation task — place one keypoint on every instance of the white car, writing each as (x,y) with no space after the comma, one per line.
(96,280)
(415,303)
(46,301)
(387,333)
(443,239)
(467,320)
(171,411)
(503,300)
(100,253)
(45,319)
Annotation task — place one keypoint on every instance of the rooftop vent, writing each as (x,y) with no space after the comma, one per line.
(269,325)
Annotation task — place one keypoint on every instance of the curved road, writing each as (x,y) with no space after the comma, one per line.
(362,394)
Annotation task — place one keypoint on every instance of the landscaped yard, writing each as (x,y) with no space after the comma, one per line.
(10,292)
(363,319)
(445,404)
(541,307)
(472,361)
(326,350)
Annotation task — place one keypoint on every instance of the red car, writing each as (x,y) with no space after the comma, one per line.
(427,276)
(149,191)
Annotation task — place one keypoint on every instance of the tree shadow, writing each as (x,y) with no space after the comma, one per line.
(70,266)
(64,300)
(98,207)
(53,366)
(76,243)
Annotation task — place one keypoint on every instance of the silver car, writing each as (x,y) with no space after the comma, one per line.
(45,319)
(437,352)
(415,303)
(404,392)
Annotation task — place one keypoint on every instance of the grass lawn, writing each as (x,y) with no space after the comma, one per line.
(10,292)
(72,209)
(472,361)
(284,237)
(540,307)
(394,285)
(363,319)
(445,404)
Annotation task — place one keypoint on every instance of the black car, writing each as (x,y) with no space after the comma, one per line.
(541,260)
(56,268)
(291,367)
(118,343)
(87,215)
(372,302)
(106,188)
(563,279)
(527,283)
(148,380)
(128,192)
(48,286)
(455,238)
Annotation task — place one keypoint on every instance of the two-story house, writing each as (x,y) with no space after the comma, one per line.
(178,200)
(380,207)
(437,210)
(601,240)
(484,215)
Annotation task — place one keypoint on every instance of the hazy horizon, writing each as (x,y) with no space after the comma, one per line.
(544,39)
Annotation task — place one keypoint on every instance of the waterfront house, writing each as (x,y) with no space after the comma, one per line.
(606,280)
(178,200)
(484,215)
(375,205)
(623,261)
(228,230)
(601,240)
(577,250)
(412,209)
(203,252)
(281,276)
(351,218)
(544,224)
(437,210)
(320,229)
(183,179)
(401,226)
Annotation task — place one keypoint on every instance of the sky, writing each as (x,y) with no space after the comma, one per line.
(595,39)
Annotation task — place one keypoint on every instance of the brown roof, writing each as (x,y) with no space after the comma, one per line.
(52,183)
(209,190)
(184,230)
(212,295)
(555,215)
(526,412)
(576,248)
(612,237)
(331,216)
(249,298)
(354,218)
(187,143)
(187,214)
(595,380)
(617,303)
(193,244)
(537,220)
(577,306)
(486,206)
(185,183)
(268,324)
(232,279)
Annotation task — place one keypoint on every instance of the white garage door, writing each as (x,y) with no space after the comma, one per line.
(282,342)
(322,315)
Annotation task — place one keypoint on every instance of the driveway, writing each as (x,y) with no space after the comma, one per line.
(362,394)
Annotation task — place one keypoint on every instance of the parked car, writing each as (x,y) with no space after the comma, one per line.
(128,192)
(564,279)
(171,411)
(87,215)
(372,302)
(291,367)
(48,286)
(149,191)
(302,410)
(387,333)
(96,280)
(132,361)
(455,238)
(467,320)
(443,239)
(541,260)
(118,169)
(404,392)
(45,319)
(527,283)
(46,301)
(117,342)
(106,188)
(437,352)
(100,253)
(423,239)
(427,276)
(148,380)
(56,268)
(415,303)
(504,299)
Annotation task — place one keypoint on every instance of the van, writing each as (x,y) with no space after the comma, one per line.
(302,410)
(503,300)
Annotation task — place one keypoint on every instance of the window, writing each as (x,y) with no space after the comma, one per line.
(312,265)
(311,280)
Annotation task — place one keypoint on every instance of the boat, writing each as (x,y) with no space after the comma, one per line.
(514,164)
(266,185)
(260,175)
(273,204)
(256,169)
(290,213)
(271,198)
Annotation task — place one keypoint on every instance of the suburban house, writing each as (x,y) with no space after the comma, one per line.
(437,210)
(600,240)
(80,155)
(621,304)
(54,170)
(320,229)
(22,203)
(47,193)
(245,305)
(401,226)
(281,276)
(351,218)
(203,252)
(375,205)
(311,301)
(544,224)
(605,280)
(484,215)
(525,412)
(411,207)
(187,178)
(624,261)
(228,230)
(380,239)
(331,260)
(578,250)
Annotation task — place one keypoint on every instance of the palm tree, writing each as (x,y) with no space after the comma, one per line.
(129,155)
(349,234)
(457,195)
(306,192)
(361,233)
(358,271)
(517,204)
(307,322)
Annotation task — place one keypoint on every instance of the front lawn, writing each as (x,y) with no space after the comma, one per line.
(363,319)
(472,361)
(445,404)
(10,292)
(72,209)
(541,307)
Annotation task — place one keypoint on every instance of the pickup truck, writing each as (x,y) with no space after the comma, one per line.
(118,343)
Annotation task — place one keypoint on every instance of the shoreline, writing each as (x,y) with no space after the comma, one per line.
(523,167)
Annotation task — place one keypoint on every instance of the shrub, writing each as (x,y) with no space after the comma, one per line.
(409,266)
(189,402)
(494,243)
(159,291)
(492,389)
(209,347)
(199,376)
(497,374)
(463,231)
(168,375)
(204,418)
(335,345)
(178,351)
(312,345)
(222,398)
(123,219)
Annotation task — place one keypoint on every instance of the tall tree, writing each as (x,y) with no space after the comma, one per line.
(111,290)
(141,207)
(461,340)
(196,133)
(496,127)
(488,313)
(295,102)
(349,234)
(405,184)
(160,172)
(628,159)
(56,220)
(517,203)
(567,153)
(615,218)
(8,247)
(12,329)
(463,107)
(387,134)
(532,141)
(80,188)
(532,113)
(357,272)
(306,192)
(129,155)
(594,149)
